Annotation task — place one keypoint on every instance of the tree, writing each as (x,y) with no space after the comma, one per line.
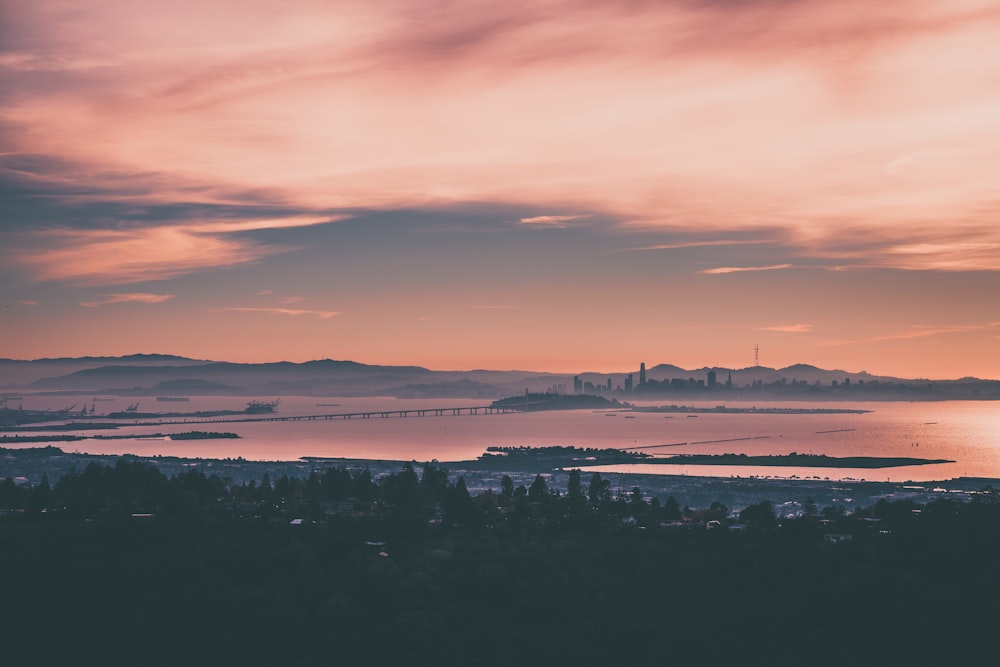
(574,487)
(313,488)
(599,490)
(362,485)
(716,512)
(41,496)
(506,489)
(403,488)
(266,492)
(336,484)
(671,509)
(434,482)
(458,505)
(538,491)
(760,516)
(11,497)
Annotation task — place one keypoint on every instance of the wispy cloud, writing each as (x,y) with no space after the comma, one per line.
(550,220)
(926,332)
(131,297)
(231,226)
(789,328)
(143,253)
(294,312)
(701,244)
(26,302)
(741,269)
(282,299)
(948,256)
(112,257)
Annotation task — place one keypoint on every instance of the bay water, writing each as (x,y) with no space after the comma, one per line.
(966,432)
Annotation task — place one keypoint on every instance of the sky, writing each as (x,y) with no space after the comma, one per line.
(561,186)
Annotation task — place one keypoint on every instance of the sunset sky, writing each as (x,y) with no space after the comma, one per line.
(565,186)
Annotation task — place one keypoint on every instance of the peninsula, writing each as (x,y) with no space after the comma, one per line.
(795,460)
(546,459)
(722,409)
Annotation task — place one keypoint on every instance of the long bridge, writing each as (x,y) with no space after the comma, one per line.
(370,414)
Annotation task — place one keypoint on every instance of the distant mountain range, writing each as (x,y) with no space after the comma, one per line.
(155,374)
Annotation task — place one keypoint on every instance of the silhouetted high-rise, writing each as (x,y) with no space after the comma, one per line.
(642,373)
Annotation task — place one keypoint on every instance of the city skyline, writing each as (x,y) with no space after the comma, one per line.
(462,185)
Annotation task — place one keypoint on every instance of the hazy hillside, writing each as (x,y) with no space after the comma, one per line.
(145,375)
(17,373)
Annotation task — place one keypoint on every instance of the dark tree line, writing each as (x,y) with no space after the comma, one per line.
(411,568)
(408,500)
(133,487)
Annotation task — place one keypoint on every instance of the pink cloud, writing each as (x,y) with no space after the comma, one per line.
(230,226)
(796,116)
(131,297)
(789,328)
(121,257)
(550,220)
(741,269)
(124,256)
(322,314)
(699,244)
(926,332)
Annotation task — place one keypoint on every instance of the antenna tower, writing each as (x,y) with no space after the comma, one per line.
(756,356)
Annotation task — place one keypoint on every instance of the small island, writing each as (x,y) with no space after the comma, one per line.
(535,402)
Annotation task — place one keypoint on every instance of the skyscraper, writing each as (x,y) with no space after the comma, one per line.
(642,373)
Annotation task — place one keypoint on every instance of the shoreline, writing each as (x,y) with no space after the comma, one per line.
(29,465)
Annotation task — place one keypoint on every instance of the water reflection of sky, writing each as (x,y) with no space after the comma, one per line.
(967,432)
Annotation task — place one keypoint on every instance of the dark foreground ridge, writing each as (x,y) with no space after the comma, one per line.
(341,567)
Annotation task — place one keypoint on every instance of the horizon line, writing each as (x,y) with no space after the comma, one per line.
(137,355)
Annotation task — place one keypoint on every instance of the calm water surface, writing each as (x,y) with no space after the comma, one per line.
(967,432)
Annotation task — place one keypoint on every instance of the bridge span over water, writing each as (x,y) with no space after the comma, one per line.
(369,414)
